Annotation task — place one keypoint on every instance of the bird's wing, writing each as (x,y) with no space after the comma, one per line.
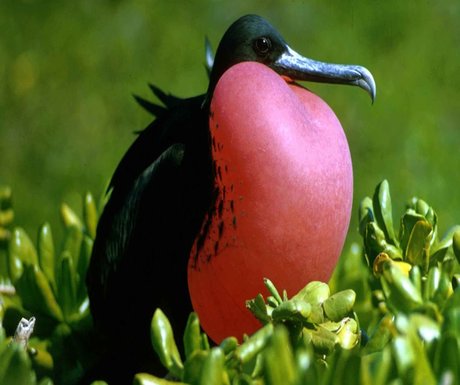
(144,223)
(122,214)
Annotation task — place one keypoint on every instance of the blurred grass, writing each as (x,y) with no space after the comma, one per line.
(68,69)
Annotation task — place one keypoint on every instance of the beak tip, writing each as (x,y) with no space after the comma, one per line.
(367,82)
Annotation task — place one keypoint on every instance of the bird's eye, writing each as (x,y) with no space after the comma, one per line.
(262,45)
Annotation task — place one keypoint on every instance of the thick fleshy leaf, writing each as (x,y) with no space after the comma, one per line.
(374,241)
(279,359)
(193,366)
(314,293)
(399,290)
(66,286)
(258,307)
(37,295)
(347,368)
(45,246)
(418,244)
(404,356)
(415,277)
(163,342)
(443,289)
(273,291)
(69,217)
(408,221)
(381,335)
(292,310)
(339,305)
(383,211)
(249,349)
(348,334)
(213,368)
(72,243)
(376,368)
(15,366)
(21,251)
(323,340)
(447,358)
(366,214)
(90,214)
(83,262)
(421,371)
(432,282)
(192,335)
(229,344)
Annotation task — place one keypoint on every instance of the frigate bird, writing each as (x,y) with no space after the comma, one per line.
(220,190)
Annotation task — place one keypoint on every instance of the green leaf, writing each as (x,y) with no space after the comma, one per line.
(292,310)
(366,214)
(415,277)
(381,335)
(399,290)
(252,346)
(83,263)
(229,344)
(383,211)
(349,334)
(90,214)
(347,368)
(46,252)
(273,291)
(37,295)
(374,242)
(404,357)
(258,307)
(21,251)
(339,305)
(192,335)
(67,297)
(443,289)
(15,366)
(323,340)
(376,367)
(447,356)
(315,293)
(82,267)
(408,221)
(72,243)
(69,218)
(162,338)
(213,368)
(193,366)
(418,244)
(279,359)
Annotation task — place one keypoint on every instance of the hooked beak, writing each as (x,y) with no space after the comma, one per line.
(298,67)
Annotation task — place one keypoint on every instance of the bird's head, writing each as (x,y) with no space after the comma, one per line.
(252,38)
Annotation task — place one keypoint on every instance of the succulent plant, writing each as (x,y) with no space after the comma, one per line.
(45,282)
(394,317)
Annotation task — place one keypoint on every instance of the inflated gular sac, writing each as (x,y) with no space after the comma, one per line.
(284,188)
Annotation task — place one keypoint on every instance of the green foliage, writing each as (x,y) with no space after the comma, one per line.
(389,315)
(413,271)
(48,282)
(409,299)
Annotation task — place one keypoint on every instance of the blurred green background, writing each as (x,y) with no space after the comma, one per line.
(68,69)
